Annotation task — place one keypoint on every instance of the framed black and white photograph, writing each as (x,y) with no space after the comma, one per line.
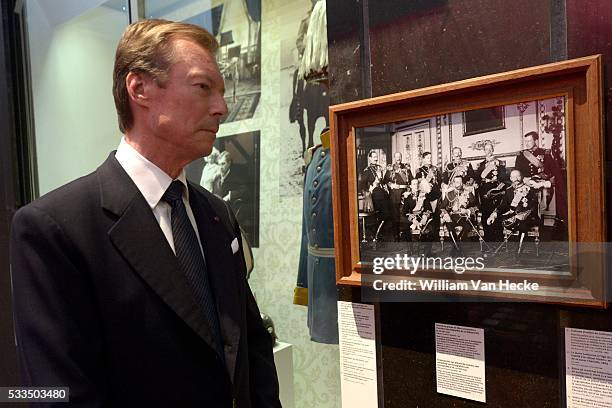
(426,181)
(505,169)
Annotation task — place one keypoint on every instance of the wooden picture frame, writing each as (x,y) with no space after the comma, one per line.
(577,83)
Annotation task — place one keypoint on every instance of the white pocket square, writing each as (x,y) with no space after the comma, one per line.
(235,246)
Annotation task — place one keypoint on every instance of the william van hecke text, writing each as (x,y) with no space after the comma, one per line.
(444,285)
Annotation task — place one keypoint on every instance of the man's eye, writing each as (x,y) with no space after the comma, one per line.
(203,86)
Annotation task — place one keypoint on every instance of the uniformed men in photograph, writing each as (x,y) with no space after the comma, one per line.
(430,173)
(458,211)
(422,220)
(397,179)
(535,164)
(540,170)
(458,167)
(519,206)
(372,184)
(492,179)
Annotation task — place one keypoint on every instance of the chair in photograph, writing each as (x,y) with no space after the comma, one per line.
(534,232)
(365,214)
(476,230)
(416,235)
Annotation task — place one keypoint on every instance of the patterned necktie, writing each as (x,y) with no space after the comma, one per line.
(191,260)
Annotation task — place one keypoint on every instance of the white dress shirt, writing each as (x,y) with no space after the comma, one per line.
(153,183)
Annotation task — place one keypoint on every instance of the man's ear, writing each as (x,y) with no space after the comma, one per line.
(139,88)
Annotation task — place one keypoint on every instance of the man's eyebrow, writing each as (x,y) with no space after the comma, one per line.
(198,74)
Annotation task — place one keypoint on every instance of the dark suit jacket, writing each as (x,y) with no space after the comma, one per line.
(101,305)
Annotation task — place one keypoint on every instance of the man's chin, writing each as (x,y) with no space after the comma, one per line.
(206,151)
(205,145)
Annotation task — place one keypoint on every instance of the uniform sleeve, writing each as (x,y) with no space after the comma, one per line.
(59,341)
(471,173)
(521,165)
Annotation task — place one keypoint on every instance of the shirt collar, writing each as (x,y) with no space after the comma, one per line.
(150,179)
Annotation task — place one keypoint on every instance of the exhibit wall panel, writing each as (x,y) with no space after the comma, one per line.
(410,45)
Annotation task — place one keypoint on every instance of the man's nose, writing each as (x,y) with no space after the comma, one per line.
(219,106)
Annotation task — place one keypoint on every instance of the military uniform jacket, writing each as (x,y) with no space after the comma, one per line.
(543,168)
(398,174)
(410,204)
(519,199)
(457,199)
(462,168)
(489,175)
(431,173)
(370,174)
(317,269)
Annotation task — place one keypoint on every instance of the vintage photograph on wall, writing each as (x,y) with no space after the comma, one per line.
(480,181)
(237,26)
(231,172)
(304,102)
(506,168)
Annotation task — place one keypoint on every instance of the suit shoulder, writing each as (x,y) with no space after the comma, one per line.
(59,208)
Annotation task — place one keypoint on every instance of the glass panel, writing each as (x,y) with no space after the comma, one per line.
(430,187)
(72,49)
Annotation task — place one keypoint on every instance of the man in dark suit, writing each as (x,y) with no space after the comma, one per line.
(129,284)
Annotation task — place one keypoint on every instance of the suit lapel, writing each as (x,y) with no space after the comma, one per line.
(216,241)
(138,237)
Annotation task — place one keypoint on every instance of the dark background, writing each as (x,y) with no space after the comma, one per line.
(17,184)
(388,46)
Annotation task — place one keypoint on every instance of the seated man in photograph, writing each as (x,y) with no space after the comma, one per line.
(372,185)
(458,211)
(397,178)
(422,220)
(518,208)
(491,178)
